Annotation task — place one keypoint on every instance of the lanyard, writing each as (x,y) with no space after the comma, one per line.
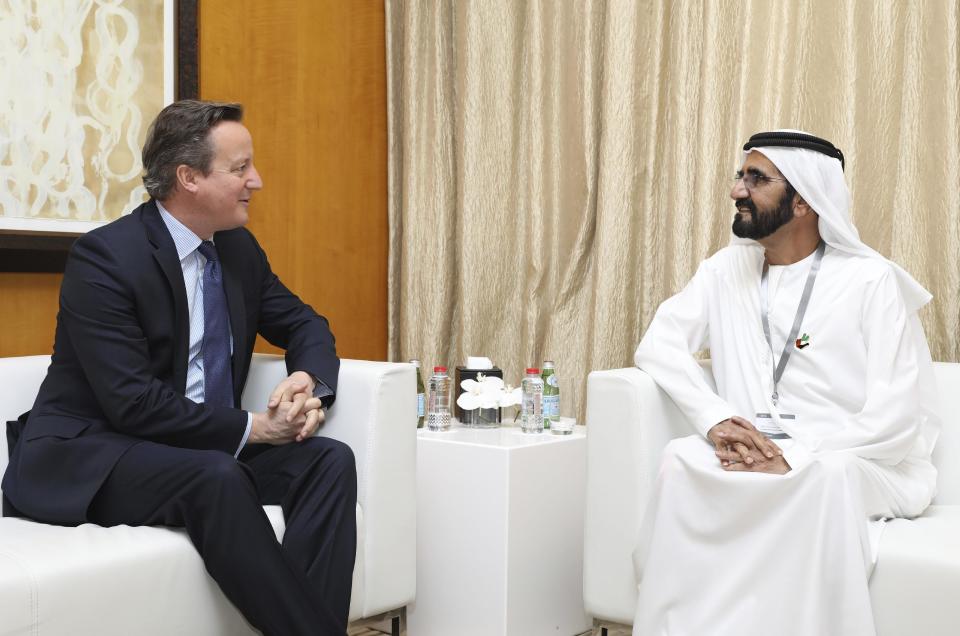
(801,310)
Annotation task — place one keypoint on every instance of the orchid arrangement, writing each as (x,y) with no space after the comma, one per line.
(487,392)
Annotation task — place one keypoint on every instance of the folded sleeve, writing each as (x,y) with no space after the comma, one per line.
(679,329)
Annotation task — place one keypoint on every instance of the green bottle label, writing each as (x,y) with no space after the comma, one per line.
(551,397)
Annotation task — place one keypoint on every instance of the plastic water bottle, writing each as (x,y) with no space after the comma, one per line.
(438,413)
(551,395)
(531,406)
(421,396)
(551,392)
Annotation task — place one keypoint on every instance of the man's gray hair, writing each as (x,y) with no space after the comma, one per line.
(180,135)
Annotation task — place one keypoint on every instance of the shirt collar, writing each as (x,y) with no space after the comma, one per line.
(183,237)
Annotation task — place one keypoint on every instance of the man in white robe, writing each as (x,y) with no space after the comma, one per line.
(767,522)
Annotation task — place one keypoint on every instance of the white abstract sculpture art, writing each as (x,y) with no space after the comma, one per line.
(80,80)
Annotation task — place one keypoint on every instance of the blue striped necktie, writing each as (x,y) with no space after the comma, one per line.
(217,374)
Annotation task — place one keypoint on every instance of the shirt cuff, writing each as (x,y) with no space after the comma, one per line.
(322,391)
(246,434)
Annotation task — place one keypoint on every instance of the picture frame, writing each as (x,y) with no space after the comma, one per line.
(41,245)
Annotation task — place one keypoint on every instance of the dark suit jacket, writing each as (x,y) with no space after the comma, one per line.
(119,366)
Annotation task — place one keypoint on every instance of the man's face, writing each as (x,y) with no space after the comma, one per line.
(224,194)
(766,205)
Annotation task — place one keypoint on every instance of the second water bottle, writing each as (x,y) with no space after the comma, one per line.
(531,406)
(438,413)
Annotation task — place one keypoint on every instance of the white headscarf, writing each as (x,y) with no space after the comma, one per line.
(819,180)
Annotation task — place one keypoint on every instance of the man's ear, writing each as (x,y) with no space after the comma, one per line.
(187,178)
(801,207)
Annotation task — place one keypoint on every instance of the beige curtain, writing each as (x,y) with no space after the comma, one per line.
(558,168)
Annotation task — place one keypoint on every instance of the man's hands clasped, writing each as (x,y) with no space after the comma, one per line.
(292,414)
(741,447)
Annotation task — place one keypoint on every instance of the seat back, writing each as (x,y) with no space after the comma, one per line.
(20,380)
(945,453)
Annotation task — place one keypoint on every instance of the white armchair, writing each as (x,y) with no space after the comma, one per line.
(100,581)
(914,586)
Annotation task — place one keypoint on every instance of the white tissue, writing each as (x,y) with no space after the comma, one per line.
(479,362)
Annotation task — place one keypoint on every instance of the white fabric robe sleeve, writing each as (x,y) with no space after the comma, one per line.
(891,420)
(678,330)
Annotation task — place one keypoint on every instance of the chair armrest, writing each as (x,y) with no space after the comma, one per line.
(376,415)
(629,421)
(20,380)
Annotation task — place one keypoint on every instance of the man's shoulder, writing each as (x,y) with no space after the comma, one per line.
(237,238)
(124,237)
(732,259)
(240,251)
(122,230)
(735,253)
(860,268)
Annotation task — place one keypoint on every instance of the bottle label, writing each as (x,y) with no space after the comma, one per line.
(531,406)
(552,381)
(421,404)
(551,406)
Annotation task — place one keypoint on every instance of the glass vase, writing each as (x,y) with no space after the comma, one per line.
(481,418)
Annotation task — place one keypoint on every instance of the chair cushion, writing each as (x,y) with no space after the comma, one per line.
(60,580)
(63,577)
(915,584)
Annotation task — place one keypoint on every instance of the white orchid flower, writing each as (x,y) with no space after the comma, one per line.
(511,396)
(484,393)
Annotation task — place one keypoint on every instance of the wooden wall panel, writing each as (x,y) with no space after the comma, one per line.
(28,313)
(312,79)
(312,76)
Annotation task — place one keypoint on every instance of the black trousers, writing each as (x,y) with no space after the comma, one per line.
(299,587)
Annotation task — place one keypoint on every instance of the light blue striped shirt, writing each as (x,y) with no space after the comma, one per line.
(192,263)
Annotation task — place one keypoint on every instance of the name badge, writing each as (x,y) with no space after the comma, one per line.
(769,427)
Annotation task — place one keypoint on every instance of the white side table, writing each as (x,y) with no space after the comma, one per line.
(499,533)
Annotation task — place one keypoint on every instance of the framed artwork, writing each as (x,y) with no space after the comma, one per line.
(84,78)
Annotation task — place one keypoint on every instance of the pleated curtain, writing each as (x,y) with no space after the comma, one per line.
(558,168)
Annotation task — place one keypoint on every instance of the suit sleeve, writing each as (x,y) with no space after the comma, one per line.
(99,311)
(289,323)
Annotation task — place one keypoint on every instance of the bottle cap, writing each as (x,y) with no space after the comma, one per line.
(533,370)
(548,364)
(439,369)
(415,362)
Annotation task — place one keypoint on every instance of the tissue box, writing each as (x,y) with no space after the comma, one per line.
(463,373)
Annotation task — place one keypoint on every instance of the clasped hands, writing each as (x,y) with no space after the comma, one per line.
(741,447)
(292,414)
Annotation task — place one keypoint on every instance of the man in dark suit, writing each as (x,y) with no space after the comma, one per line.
(138,420)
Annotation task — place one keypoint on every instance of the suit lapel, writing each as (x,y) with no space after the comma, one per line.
(165,253)
(235,305)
